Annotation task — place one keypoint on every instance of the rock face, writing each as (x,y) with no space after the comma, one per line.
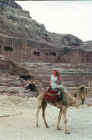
(9,3)
(9,66)
(12,84)
(23,39)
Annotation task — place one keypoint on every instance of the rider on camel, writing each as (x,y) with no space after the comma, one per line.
(56,91)
(55,81)
(57,87)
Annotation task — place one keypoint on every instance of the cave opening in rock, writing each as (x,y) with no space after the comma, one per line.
(7,48)
(53,53)
(37,53)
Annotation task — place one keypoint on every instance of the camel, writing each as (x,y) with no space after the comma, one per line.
(67,101)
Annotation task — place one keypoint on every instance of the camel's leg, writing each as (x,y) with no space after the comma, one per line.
(39,105)
(37,115)
(65,121)
(44,105)
(59,118)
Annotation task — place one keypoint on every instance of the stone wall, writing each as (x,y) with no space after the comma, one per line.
(76,56)
(20,49)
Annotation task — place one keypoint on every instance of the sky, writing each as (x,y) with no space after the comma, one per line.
(64,17)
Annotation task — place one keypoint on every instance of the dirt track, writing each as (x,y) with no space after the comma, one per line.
(19,121)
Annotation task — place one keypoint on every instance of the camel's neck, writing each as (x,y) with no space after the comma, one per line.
(72,101)
(39,90)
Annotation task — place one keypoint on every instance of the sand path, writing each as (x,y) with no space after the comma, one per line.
(19,121)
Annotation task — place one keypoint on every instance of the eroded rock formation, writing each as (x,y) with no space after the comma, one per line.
(23,39)
(9,66)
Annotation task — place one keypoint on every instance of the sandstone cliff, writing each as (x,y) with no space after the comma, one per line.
(18,31)
(15,20)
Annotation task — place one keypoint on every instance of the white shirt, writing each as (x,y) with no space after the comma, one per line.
(53,82)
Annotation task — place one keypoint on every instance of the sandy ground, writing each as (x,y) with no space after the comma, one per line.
(17,121)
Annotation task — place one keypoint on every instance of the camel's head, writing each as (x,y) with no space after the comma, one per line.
(82,94)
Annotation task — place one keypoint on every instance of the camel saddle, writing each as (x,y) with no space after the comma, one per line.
(51,95)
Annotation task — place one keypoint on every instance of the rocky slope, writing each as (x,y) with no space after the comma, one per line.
(18,26)
(15,20)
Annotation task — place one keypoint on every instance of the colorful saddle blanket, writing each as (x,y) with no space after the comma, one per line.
(51,95)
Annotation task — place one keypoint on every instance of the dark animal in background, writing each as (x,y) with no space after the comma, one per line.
(25,77)
(31,87)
